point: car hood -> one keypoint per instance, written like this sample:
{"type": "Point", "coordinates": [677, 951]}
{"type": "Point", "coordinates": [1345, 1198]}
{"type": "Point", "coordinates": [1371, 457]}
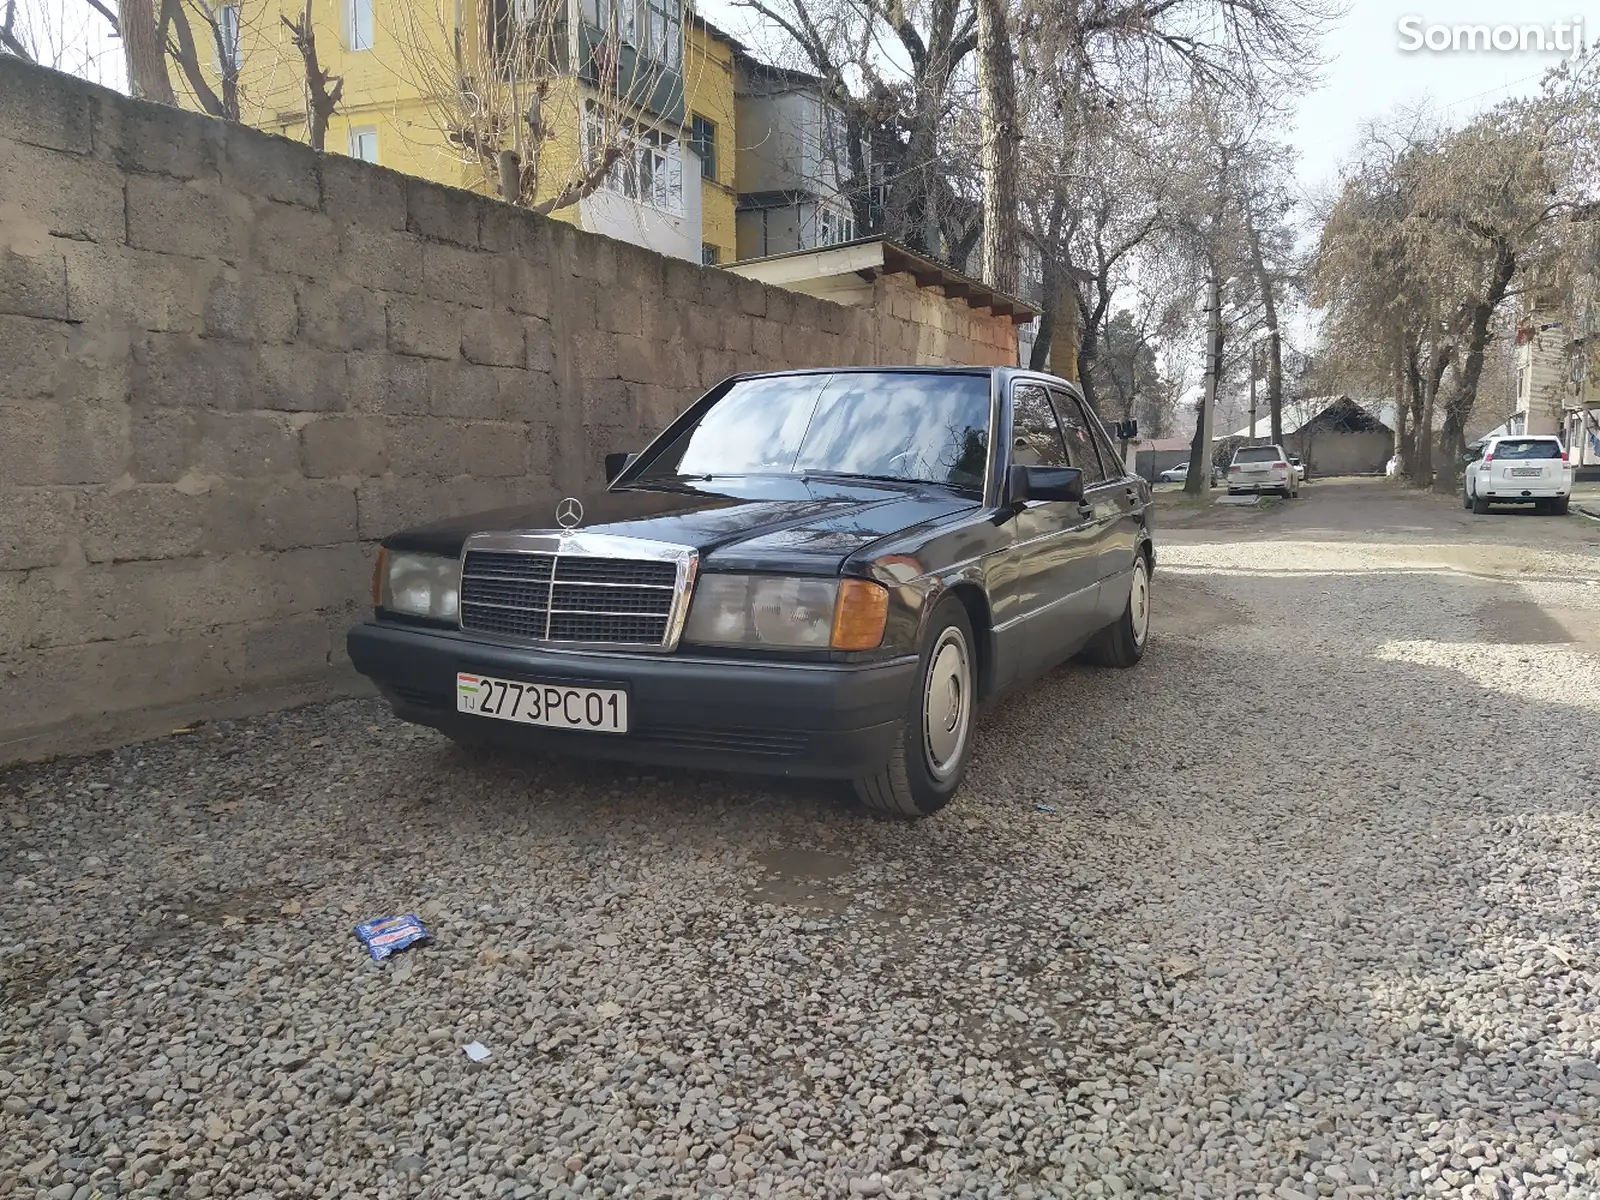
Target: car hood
{"type": "Point", "coordinates": [770, 523]}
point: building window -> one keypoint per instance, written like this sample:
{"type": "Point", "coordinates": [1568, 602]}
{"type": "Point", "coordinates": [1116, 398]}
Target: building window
{"type": "Point", "coordinates": [650, 169]}
{"type": "Point", "coordinates": [833, 226]}
{"type": "Point", "coordinates": [703, 140]}
{"type": "Point", "coordinates": [623, 20]}
{"type": "Point", "coordinates": [358, 24]}
{"type": "Point", "coordinates": [228, 31]}
{"type": "Point", "coordinates": [364, 144]}
{"type": "Point", "coordinates": [709, 255]}
{"type": "Point", "coordinates": [665, 33]}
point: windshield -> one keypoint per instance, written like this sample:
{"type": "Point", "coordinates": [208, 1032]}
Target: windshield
{"type": "Point", "coordinates": [895, 425]}
{"type": "Point", "coordinates": [1257, 454]}
{"type": "Point", "coordinates": [1527, 448]}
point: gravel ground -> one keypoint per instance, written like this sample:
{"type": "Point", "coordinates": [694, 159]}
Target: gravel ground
{"type": "Point", "coordinates": [1303, 906]}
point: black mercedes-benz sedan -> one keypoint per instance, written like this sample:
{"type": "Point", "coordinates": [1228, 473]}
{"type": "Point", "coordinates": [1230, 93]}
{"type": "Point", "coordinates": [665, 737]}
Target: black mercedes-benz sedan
{"type": "Point", "coordinates": [819, 573]}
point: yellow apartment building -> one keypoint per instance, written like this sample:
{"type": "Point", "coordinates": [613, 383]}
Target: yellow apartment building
{"type": "Point", "coordinates": [645, 82]}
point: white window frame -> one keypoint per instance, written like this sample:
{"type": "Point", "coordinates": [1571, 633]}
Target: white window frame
{"type": "Point", "coordinates": [650, 170]}
{"type": "Point", "coordinates": [831, 226]}
{"type": "Point", "coordinates": [357, 133]}
{"type": "Point", "coordinates": [664, 32]}
{"type": "Point", "coordinates": [228, 32]}
{"type": "Point", "coordinates": [358, 25]}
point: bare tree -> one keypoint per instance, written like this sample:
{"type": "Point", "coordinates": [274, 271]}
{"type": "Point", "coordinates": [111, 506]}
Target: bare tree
{"type": "Point", "coordinates": [506, 84]}
{"type": "Point", "coordinates": [323, 91]}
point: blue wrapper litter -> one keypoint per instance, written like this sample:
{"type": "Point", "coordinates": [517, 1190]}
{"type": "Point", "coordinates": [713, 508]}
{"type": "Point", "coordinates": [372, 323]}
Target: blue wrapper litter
{"type": "Point", "coordinates": [385, 935]}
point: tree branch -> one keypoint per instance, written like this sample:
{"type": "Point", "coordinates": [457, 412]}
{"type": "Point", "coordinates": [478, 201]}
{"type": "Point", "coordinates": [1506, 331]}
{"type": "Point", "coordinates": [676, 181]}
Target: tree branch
{"type": "Point", "coordinates": [116, 27]}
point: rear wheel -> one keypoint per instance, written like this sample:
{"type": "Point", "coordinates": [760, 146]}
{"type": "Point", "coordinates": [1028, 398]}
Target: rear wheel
{"type": "Point", "coordinates": [930, 752]}
{"type": "Point", "coordinates": [1121, 644]}
{"type": "Point", "coordinates": [1560, 506]}
{"type": "Point", "coordinates": [1479, 504]}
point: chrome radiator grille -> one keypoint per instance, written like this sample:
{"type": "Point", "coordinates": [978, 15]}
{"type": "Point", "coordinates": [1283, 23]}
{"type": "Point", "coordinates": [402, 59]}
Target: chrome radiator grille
{"type": "Point", "coordinates": [554, 597]}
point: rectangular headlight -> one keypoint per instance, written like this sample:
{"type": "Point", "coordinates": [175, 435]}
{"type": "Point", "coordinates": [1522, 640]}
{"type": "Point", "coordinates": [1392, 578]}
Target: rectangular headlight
{"type": "Point", "coordinates": [762, 610]}
{"type": "Point", "coordinates": [422, 585]}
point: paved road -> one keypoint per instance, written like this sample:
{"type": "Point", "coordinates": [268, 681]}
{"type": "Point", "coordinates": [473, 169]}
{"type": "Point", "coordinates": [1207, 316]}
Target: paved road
{"type": "Point", "coordinates": [1303, 906]}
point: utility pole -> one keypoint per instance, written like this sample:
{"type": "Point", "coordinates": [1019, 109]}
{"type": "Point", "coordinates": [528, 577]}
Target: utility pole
{"type": "Point", "coordinates": [1253, 393]}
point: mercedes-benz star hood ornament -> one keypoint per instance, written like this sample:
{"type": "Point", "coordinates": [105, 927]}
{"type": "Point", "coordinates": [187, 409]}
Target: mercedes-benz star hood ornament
{"type": "Point", "coordinates": [569, 512]}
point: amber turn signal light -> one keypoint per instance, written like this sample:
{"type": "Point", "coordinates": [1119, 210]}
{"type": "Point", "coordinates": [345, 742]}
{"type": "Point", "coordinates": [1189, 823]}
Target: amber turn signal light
{"type": "Point", "coordinates": [377, 577]}
{"type": "Point", "coordinates": [860, 615]}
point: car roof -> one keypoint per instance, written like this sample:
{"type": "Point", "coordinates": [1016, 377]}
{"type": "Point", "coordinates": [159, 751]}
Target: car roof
{"type": "Point", "coordinates": [1003, 373]}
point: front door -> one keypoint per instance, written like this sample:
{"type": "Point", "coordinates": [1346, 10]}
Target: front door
{"type": "Point", "coordinates": [1046, 599]}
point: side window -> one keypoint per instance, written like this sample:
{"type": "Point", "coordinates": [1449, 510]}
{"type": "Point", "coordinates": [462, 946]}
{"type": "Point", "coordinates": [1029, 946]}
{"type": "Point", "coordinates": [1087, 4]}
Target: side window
{"type": "Point", "coordinates": [1109, 458]}
{"type": "Point", "coordinates": [1080, 442]}
{"type": "Point", "coordinates": [1036, 438]}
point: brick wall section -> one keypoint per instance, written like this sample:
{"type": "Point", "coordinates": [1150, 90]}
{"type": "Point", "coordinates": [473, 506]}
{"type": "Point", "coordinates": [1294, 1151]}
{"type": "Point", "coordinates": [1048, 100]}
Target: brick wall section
{"type": "Point", "coordinates": [228, 364]}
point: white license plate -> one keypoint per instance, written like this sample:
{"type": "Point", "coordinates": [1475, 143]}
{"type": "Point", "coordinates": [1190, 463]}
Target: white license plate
{"type": "Point", "coordinates": [554, 705]}
{"type": "Point", "coordinates": [1527, 470]}
{"type": "Point", "coordinates": [1255, 466]}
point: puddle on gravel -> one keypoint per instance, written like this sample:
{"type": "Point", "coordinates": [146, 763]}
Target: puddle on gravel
{"type": "Point", "coordinates": [1524, 623]}
{"type": "Point", "coordinates": [800, 877]}
{"type": "Point", "coordinates": [1181, 606]}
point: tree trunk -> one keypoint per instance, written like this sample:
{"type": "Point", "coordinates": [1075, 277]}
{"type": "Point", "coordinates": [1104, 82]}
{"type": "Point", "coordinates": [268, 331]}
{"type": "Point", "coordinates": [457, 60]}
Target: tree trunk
{"type": "Point", "coordinates": [997, 90]}
{"type": "Point", "coordinates": [1459, 408]}
{"type": "Point", "coordinates": [510, 168]}
{"type": "Point", "coordinates": [1430, 392]}
{"type": "Point", "coordinates": [1199, 480]}
{"type": "Point", "coordinates": [142, 49]}
{"type": "Point", "coordinates": [1068, 329]}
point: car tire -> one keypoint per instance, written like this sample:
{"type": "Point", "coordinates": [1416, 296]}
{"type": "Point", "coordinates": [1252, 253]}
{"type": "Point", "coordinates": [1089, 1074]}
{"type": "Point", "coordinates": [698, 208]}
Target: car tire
{"type": "Point", "coordinates": [1121, 644]}
{"type": "Point", "coordinates": [1561, 506]}
{"type": "Point", "coordinates": [1286, 492]}
{"type": "Point", "coordinates": [930, 753]}
{"type": "Point", "coordinates": [1479, 504]}
{"type": "Point", "coordinates": [1541, 508]}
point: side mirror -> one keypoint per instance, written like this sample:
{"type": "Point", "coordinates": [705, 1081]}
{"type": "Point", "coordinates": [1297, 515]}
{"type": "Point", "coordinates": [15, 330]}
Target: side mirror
{"type": "Point", "coordinates": [617, 463]}
{"type": "Point", "coordinates": [1127, 431]}
{"type": "Point", "coordinates": [1046, 483]}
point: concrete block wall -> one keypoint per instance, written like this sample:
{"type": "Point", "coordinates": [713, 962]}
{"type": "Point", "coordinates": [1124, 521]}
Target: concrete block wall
{"type": "Point", "coordinates": [229, 364]}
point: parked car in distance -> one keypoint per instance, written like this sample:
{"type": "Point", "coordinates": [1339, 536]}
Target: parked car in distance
{"type": "Point", "coordinates": [1300, 468]}
{"type": "Point", "coordinates": [1392, 467]}
{"type": "Point", "coordinates": [1262, 469]}
{"type": "Point", "coordinates": [1177, 474]}
{"type": "Point", "coordinates": [1520, 469]}
{"type": "Point", "coordinates": [815, 573]}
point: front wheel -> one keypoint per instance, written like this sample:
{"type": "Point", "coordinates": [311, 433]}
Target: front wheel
{"type": "Point", "coordinates": [1121, 644]}
{"type": "Point", "coordinates": [930, 752]}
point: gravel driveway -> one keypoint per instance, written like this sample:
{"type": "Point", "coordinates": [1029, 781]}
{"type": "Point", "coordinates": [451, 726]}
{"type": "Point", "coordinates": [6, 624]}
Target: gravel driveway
{"type": "Point", "coordinates": [1306, 905]}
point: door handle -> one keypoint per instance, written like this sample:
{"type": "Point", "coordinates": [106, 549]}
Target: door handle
{"type": "Point", "coordinates": [1132, 493]}
{"type": "Point", "coordinates": [1085, 509]}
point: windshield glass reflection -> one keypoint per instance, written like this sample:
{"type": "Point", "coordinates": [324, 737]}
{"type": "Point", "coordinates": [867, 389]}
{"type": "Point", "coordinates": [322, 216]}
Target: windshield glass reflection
{"type": "Point", "coordinates": [922, 427]}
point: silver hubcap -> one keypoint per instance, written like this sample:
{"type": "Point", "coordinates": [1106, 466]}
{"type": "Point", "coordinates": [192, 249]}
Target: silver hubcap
{"type": "Point", "coordinates": [1139, 603]}
{"type": "Point", "coordinates": [947, 704]}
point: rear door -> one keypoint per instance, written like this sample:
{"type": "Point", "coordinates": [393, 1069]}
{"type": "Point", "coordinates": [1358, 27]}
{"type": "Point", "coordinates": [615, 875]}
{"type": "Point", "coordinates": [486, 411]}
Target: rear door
{"type": "Point", "coordinates": [1525, 463]}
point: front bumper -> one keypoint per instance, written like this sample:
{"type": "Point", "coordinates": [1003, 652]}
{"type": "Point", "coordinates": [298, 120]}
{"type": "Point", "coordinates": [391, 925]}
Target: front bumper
{"type": "Point", "coordinates": [818, 720]}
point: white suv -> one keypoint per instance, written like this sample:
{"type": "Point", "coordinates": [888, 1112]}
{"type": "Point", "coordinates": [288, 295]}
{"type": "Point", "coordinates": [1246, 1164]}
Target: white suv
{"type": "Point", "coordinates": [1525, 469]}
{"type": "Point", "coordinates": [1263, 469]}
